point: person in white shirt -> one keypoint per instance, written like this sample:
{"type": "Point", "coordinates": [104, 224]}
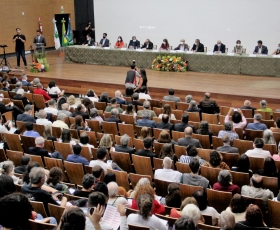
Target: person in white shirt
{"type": "Point", "coordinates": [168, 174]}
{"type": "Point", "coordinates": [143, 95]}
{"type": "Point", "coordinates": [42, 118]}
{"type": "Point", "coordinates": [101, 157]}
{"type": "Point", "coordinates": [54, 90]}
{"type": "Point", "coordinates": [258, 151]}
{"type": "Point", "coordinates": [114, 199]}
{"type": "Point", "coordinates": [92, 95]}
{"type": "Point", "coordinates": [52, 107]}
{"type": "Point", "coordinates": [60, 122]}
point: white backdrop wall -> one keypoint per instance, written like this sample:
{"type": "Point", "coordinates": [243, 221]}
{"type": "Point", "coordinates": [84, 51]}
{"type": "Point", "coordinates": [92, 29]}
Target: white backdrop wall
{"type": "Point", "coordinates": [208, 20]}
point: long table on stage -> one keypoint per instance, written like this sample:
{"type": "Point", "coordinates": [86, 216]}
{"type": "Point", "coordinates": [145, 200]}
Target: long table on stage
{"type": "Point", "coordinates": [200, 62]}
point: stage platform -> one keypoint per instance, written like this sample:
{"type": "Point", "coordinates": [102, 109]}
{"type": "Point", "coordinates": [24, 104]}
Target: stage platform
{"type": "Point", "coordinates": [228, 90]}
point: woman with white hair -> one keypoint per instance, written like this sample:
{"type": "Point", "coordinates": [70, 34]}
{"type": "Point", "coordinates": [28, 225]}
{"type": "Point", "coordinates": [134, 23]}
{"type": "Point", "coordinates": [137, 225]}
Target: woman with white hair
{"type": "Point", "coordinates": [268, 137]}
{"type": "Point", "coordinates": [226, 221]}
{"type": "Point", "coordinates": [264, 108]}
{"type": "Point", "coordinates": [114, 199]}
{"type": "Point", "coordinates": [225, 183]}
{"type": "Point", "coordinates": [192, 211]}
{"type": "Point", "coordinates": [142, 181]}
{"type": "Point", "coordinates": [8, 169]}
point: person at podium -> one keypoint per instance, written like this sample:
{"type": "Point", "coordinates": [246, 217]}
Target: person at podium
{"type": "Point", "coordinates": [148, 45]}
{"type": "Point", "coordinates": [197, 46]}
{"type": "Point", "coordinates": [119, 43]}
{"type": "Point", "coordinates": [134, 43]}
{"type": "Point", "coordinates": [39, 38]}
{"type": "Point", "coordinates": [89, 41]}
{"type": "Point", "coordinates": [182, 46]}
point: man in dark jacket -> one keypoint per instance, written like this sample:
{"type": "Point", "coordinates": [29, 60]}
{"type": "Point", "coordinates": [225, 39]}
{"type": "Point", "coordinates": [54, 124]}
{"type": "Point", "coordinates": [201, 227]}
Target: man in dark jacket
{"type": "Point", "coordinates": [27, 115]}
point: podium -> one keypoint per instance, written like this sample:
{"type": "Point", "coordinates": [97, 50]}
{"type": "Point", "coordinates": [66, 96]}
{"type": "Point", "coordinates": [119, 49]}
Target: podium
{"type": "Point", "coordinates": [38, 47]}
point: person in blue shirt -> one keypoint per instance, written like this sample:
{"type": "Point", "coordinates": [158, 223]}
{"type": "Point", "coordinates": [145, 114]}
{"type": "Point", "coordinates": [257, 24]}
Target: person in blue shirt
{"type": "Point", "coordinates": [76, 157]}
{"type": "Point", "coordinates": [257, 125]}
{"type": "Point", "coordinates": [29, 130]}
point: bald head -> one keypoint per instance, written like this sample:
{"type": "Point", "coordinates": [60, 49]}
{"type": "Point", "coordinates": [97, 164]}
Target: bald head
{"type": "Point", "coordinates": [207, 95]}
{"type": "Point", "coordinates": [257, 181]}
{"type": "Point", "coordinates": [247, 103]}
{"type": "Point", "coordinates": [188, 132]}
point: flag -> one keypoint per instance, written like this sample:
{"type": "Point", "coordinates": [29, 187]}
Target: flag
{"type": "Point", "coordinates": [56, 36]}
{"type": "Point", "coordinates": [64, 41]}
{"type": "Point", "coordinates": [40, 25]}
{"type": "Point", "coordinates": [69, 35]}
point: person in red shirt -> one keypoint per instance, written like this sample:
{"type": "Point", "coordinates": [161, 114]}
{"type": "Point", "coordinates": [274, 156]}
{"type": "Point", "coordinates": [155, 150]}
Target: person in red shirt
{"type": "Point", "coordinates": [41, 91]}
{"type": "Point", "coordinates": [225, 183]}
{"type": "Point", "coordinates": [119, 43]}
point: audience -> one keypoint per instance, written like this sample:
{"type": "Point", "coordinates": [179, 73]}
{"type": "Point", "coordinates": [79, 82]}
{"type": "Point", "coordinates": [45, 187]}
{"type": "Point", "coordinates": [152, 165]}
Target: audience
{"type": "Point", "coordinates": [229, 131]}
{"type": "Point", "coordinates": [51, 107]}
{"type": "Point", "coordinates": [66, 137]}
{"type": "Point", "coordinates": [124, 148]}
{"type": "Point", "coordinates": [114, 117]}
{"type": "Point", "coordinates": [216, 161]}
{"type": "Point", "coordinates": [258, 151]}
{"type": "Point", "coordinates": [8, 169]}
{"type": "Point", "coordinates": [225, 183]}
{"type": "Point", "coordinates": [114, 199]}
{"type": "Point", "coordinates": [205, 130]}
{"type": "Point", "coordinates": [226, 148]}
{"type": "Point", "coordinates": [175, 213]}
{"type": "Point", "coordinates": [193, 107]}
{"type": "Point", "coordinates": [173, 197]}
{"type": "Point", "coordinates": [71, 101]}
{"type": "Point", "coordinates": [54, 90]}
{"type": "Point", "coordinates": [165, 123]}
{"type": "Point", "coordinates": [227, 221]}
{"type": "Point", "coordinates": [237, 207]}
{"type": "Point", "coordinates": [146, 152]}
{"type": "Point", "coordinates": [111, 177]}
{"type": "Point", "coordinates": [146, 120]}
{"type": "Point", "coordinates": [29, 130]}
{"type": "Point", "coordinates": [20, 96]}
{"type": "Point", "coordinates": [257, 125]}
{"type": "Point", "coordinates": [101, 158]}
{"type": "Point", "coordinates": [180, 127]}
{"type": "Point", "coordinates": [188, 140]}
{"type": "Point", "coordinates": [269, 169]}
{"type": "Point", "coordinates": [191, 154]}
{"type": "Point", "coordinates": [114, 105]}
{"type": "Point", "coordinates": [171, 97]}
{"type": "Point", "coordinates": [47, 134]}
{"type": "Point", "coordinates": [27, 115]}
{"type": "Point", "coordinates": [42, 118]}
{"type": "Point", "coordinates": [24, 163]}
{"type": "Point", "coordinates": [73, 218]}
{"type": "Point", "coordinates": [184, 223]}
{"type": "Point", "coordinates": [81, 111]}
{"type": "Point", "coordinates": [143, 93]}
{"type": "Point", "coordinates": [135, 101]}
{"type": "Point", "coordinates": [65, 110]}
{"type": "Point", "coordinates": [79, 124]}
{"type": "Point", "coordinates": [238, 119]}
{"type": "Point", "coordinates": [40, 90]}
{"type": "Point", "coordinates": [7, 185]}
{"type": "Point", "coordinates": [167, 151]}
{"type": "Point", "coordinates": [54, 179]}
{"type": "Point", "coordinates": [76, 157]}
{"type": "Point", "coordinates": [188, 98]}
{"type": "Point", "coordinates": [94, 115]}
{"type": "Point", "coordinates": [167, 110]}
{"type": "Point", "coordinates": [146, 106]}
{"type": "Point", "coordinates": [192, 211]}
{"type": "Point", "coordinates": [167, 174]}
{"type": "Point", "coordinates": [60, 122]}
{"type": "Point", "coordinates": [87, 186]}
{"type": "Point", "coordinates": [264, 107]}
{"type": "Point", "coordinates": [243, 165]}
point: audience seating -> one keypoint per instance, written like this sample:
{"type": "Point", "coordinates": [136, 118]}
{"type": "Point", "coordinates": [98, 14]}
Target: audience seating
{"type": "Point", "coordinates": [35, 225]}
{"type": "Point", "coordinates": [21, 126]}
{"type": "Point", "coordinates": [211, 118]}
{"type": "Point", "coordinates": [188, 190]}
{"type": "Point", "coordinates": [193, 116]}
{"type": "Point", "coordinates": [158, 146]}
{"type": "Point", "coordinates": [158, 111]}
{"type": "Point", "coordinates": [256, 201]}
{"type": "Point", "coordinates": [38, 159]}
{"type": "Point", "coordinates": [3, 156]}
{"type": "Point", "coordinates": [230, 158]}
{"type": "Point", "coordinates": [204, 140]}
{"type": "Point", "coordinates": [180, 150]}
{"type": "Point", "coordinates": [240, 179]}
{"type": "Point", "coordinates": [135, 227]}
{"type": "Point", "coordinates": [224, 110]}
{"type": "Point", "coordinates": [171, 221]}
{"type": "Point", "coordinates": [210, 173]}
{"type": "Point", "coordinates": [39, 101]}
{"type": "Point", "coordinates": [75, 172]}
{"type": "Point", "coordinates": [56, 132]}
{"type": "Point", "coordinates": [39, 128]}
{"type": "Point", "coordinates": [207, 227]}
{"type": "Point", "coordinates": [128, 119]}
{"type": "Point", "coordinates": [178, 114]}
{"type": "Point", "coordinates": [86, 153]}
{"type": "Point", "coordinates": [15, 156]}
{"type": "Point", "coordinates": [138, 143]}
{"type": "Point", "coordinates": [122, 160]}
{"type": "Point", "coordinates": [13, 142]}
{"type": "Point", "coordinates": [204, 153]}
{"type": "Point", "coordinates": [218, 199]}
{"type": "Point", "coordinates": [271, 183]}
{"type": "Point", "coordinates": [182, 106]}
{"type": "Point", "coordinates": [27, 142]}
{"type": "Point", "coordinates": [183, 167]}
{"type": "Point", "coordinates": [265, 115]}
{"type": "Point", "coordinates": [248, 113]}
{"type": "Point", "coordinates": [242, 145]}
{"type": "Point", "coordinates": [110, 128]}
{"type": "Point", "coordinates": [64, 149]}
{"type": "Point", "coordinates": [154, 103]}
{"type": "Point", "coordinates": [52, 162]}
{"type": "Point", "coordinates": [252, 134]}
{"type": "Point", "coordinates": [49, 146]}
{"type": "Point", "coordinates": [272, 148]}
{"type": "Point", "coordinates": [142, 165]}
{"type": "Point", "coordinates": [122, 178]}
{"type": "Point", "coordinates": [216, 128]}
{"type": "Point", "coordinates": [161, 187]}
{"type": "Point", "coordinates": [256, 163]}
{"type": "Point", "coordinates": [8, 116]}
{"type": "Point", "coordinates": [134, 178]}
{"type": "Point", "coordinates": [176, 135]}
{"type": "Point", "coordinates": [39, 208]}
{"type": "Point", "coordinates": [217, 142]}
{"type": "Point", "coordinates": [171, 103]}
{"type": "Point", "coordinates": [274, 211]}
{"type": "Point", "coordinates": [118, 141]}
{"type": "Point", "coordinates": [126, 129]}
{"type": "Point", "coordinates": [56, 211]}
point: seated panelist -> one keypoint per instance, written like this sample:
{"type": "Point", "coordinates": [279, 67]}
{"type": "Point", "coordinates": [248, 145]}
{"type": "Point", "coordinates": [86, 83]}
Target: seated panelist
{"type": "Point", "coordinates": [260, 49]}
{"type": "Point", "coordinates": [164, 45]}
{"type": "Point", "coordinates": [134, 43]}
{"type": "Point", "coordinates": [119, 43]}
{"type": "Point", "coordinates": [197, 46]}
{"type": "Point", "coordinates": [277, 51]}
{"type": "Point", "coordinates": [182, 46]}
{"type": "Point", "coordinates": [219, 48]}
{"type": "Point", "coordinates": [89, 41]}
{"type": "Point", "coordinates": [148, 45]}
{"type": "Point", "coordinates": [104, 42]}
{"type": "Point", "coordinates": [238, 48]}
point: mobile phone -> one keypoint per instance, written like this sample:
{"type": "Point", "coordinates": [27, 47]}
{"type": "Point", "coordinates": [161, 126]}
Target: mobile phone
{"type": "Point", "coordinates": [235, 109]}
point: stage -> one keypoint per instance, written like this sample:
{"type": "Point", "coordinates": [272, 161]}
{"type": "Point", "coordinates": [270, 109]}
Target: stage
{"type": "Point", "coordinates": [228, 90]}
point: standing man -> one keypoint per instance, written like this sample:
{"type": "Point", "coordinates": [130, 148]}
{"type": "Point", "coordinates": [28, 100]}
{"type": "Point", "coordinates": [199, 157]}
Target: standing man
{"type": "Point", "coordinates": [104, 42]}
{"type": "Point", "coordinates": [20, 39]}
{"type": "Point", "coordinates": [39, 38]}
{"type": "Point", "coordinates": [89, 29]}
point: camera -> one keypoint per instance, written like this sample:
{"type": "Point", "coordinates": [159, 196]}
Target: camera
{"type": "Point", "coordinates": [133, 62]}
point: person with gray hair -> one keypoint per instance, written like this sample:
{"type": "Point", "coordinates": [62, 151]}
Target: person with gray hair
{"type": "Point", "coordinates": [268, 137]}
{"type": "Point", "coordinates": [225, 183]}
{"type": "Point", "coordinates": [257, 125]}
{"type": "Point", "coordinates": [52, 107]}
{"type": "Point", "coordinates": [226, 221]}
{"type": "Point", "coordinates": [188, 98]}
{"type": "Point", "coordinates": [146, 120]}
{"type": "Point", "coordinates": [36, 81]}
{"type": "Point", "coordinates": [168, 174]}
{"type": "Point", "coordinates": [124, 148]}
{"type": "Point", "coordinates": [114, 116]}
{"type": "Point", "coordinates": [42, 118]}
{"type": "Point", "coordinates": [65, 110]}
{"type": "Point", "coordinates": [197, 46]}
{"type": "Point", "coordinates": [229, 131]}
{"type": "Point", "coordinates": [264, 107]}
{"type": "Point", "coordinates": [146, 106]}
{"type": "Point", "coordinates": [60, 122]}
{"type": "Point", "coordinates": [193, 107]}
{"type": "Point", "coordinates": [226, 148]}
{"type": "Point", "coordinates": [119, 98]}
{"type": "Point", "coordinates": [37, 177]}
{"type": "Point", "coordinates": [18, 86]}
{"type": "Point", "coordinates": [24, 80]}
{"type": "Point", "coordinates": [193, 212]}
{"type": "Point", "coordinates": [114, 199]}
{"type": "Point", "coordinates": [8, 169]}
{"type": "Point", "coordinates": [94, 115]}
{"type": "Point", "coordinates": [20, 96]}
{"type": "Point", "coordinates": [27, 115]}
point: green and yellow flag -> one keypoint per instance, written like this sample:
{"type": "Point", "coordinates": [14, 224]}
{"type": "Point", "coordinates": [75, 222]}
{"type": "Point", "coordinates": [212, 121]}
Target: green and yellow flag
{"type": "Point", "coordinates": [64, 40]}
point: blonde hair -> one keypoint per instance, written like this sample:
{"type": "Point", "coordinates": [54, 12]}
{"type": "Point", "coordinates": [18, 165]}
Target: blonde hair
{"type": "Point", "coordinates": [71, 100]}
{"type": "Point", "coordinates": [106, 141]}
{"type": "Point", "coordinates": [142, 181]}
{"type": "Point", "coordinates": [167, 110]}
{"type": "Point", "coordinates": [188, 200]}
{"type": "Point", "coordinates": [145, 132]}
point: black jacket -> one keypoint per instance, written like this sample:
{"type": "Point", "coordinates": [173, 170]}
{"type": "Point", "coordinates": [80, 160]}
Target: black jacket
{"type": "Point", "coordinates": [199, 49]}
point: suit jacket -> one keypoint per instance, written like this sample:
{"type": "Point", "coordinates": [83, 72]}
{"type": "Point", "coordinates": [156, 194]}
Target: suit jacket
{"type": "Point", "coordinates": [25, 83]}
{"type": "Point", "coordinates": [264, 50]}
{"type": "Point", "coordinates": [25, 118]}
{"type": "Point", "coordinates": [146, 122]}
{"type": "Point", "coordinates": [145, 153]}
{"type": "Point", "coordinates": [161, 125]}
{"type": "Point", "coordinates": [222, 48]}
{"type": "Point", "coordinates": [41, 40]}
{"type": "Point", "coordinates": [227, 149]}
{"type": "Point", "coordinates": [180, 127]}
{"type": "Point", "coordinates": [113, 119]}
{"type": "Point", "coordinates": [186, 47]}
{"type": "Point", "coordinates": [106, 43]}
{"type": "Point", "coordinates": [84, 115]}
{"type": "Point", "coordinates": [171, 98]}
{"type": "Point", "coordinates": [208, 105]}
{"type": "Point", "coordinates": [135, 45]}
{"type": "Point", "coordinates": [22, 98]}
{"type": "Point", "coordinates": [38, 152]}
{"type": "Point", "coordinates": [189, 141]}
{"type": "Point", "coordinates": [89, 43]}
{"type": "Point", "coordinates": [124, 149]}
{"type": "Point", "coordinates": [149, 47]}
{"type": "Point", "coordinates": [199, 49]}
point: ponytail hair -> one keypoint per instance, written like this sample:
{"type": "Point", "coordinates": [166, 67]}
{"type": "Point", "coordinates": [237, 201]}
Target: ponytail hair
{"type": "Point", "coordinates": [145, 204]}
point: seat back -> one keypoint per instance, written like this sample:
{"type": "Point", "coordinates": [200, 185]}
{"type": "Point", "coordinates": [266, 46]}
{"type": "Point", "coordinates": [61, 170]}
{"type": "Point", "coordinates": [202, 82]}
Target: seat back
{"type": "Point", "coordinates": [265, 115]}
{"type": "Point", "coordinates": [210, 173]}
{"type": "Point", "coordinates": [183, 167]}
{"type": "Point", "coordinates": [182, 106]}
{"type": "Point", "coordinates": [203, 139]}
{"type": "Point", "coordinates": [92, 137]}
{"type": "Point", "coordinates": [204, 153]}
{"type": "Point", "coordinates": [15, 156]}
{"type": "Point", "coordinates": [27, 142]}
{"type": "Point", "coordinates": [136, 227]}
{"type": "Point", "coordinates": [176, 135]}
{"type": "Point", "coordinates": [138, 143]}
{"type": "Point", "coordinates": [211, 118]}
{"type": "Point", "coordinates": [216, 128]}
{"type": "Point", "coordinates": [256, 201]}
{"type": "Point", "coordinates": [273, 212]}
{"type": "Point", "coordinates": [19, 104]}
{"type": "Point", "coordinates": [271, 183]}
{"type": "Point", "coordinates": [39, 128]}
{"type": "Point", "coordinates": [240, 179]}
{"type": "Point", "coordinates": [134, 178]}
{"type": "Point", "coordinates": [252, 134]}
{"type": "Point", "coordinates": [63, 148]}
{"type": "Point", "coordinates": [128, 119]}
{"type": "Point", "coordinates": [110, 127]}
{"type": "Point", "coordinates": [161, 187]}
{"type": "Point", "coordinates": [21, 126]}
{"type": "Point", "coordinates": [122, 178]}
{"type": "Point", "coordinates": [75, 172]}
{"type": "Point", "coordinates": [39, 207]}
{"type": "Point", "coordinates": [13, 142]}
{"type": "Point", "coordinates": [39, 101]}
{"type": "Point", "coordinates": [218, 199]}
{"type": "Point", "coordinates": [56, 132]}
{"type": "Point", "coordinates": [86, 153]}
{"type": "Point", "coordinates": [56, 211]}
{"type": "Point", "coordinates": [224, 110]}
{"type": "Point", "coordinates": [122, 160]}
{"type": "Point", "coordinates": [94, 125]}
{"type": "Point", "coordinates": [3, 156]}
{"type": "Point", "coordinates": [100, 105]}
{"type": "Point", "coordinates": [126, 129]}
{"type": "Point", "coordinates": [8, 116]}
{"type": "Point", "coordinates": [171, 103]}
{"type": "Point", "coordinates": [38, 159]}
{"type": "Point", "coordinates": [242, 145]}
{"type": "Point", "coordinates": [49, 146]}
{"type": "Point", "coordinates": [206, 227]}
{"type": "Point", "coordinates": [256, 163]}
{"type": "Point", "coordinates": [248, 113]}
{"type": "Point", "coordinates": [193, 116]}
{"type": "Point", "coordinates": [188, 190]}
{"type": "Point", "coordinates": [230, 158]}
{"type": "Point", "coordinates": [158, 146]}
{"type": "Point", "coordinates": [177, 113]}
{"type": "Point", "coordinates": [37, 225]}
{"type": "Point", "coordinates": [142, 165]}
{"type": "Point", "coordinates": [217, 142]}
{"type": "Point", "coordinates": [53, 162]}
{"type": "Point", "coordinates": [180, 150]}
{"type": "Point", "coordinates": [171, 221]}
{"type": "Point", "coordinates": [272, 148]}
